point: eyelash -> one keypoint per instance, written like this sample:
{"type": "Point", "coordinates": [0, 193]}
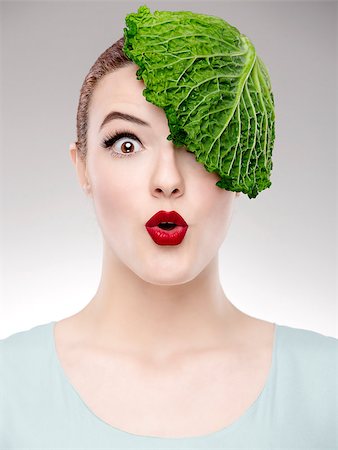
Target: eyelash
{"type": "Point", "coordinates": [110, 140]}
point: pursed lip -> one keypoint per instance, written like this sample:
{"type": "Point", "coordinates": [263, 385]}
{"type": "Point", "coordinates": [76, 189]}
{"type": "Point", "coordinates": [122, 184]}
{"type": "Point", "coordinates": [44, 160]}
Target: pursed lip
{"type": "Point", "coordinates": [164, 216]}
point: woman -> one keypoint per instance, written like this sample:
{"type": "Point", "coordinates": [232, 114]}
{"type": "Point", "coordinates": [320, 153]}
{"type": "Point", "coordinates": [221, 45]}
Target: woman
{"type": "Point", "coordinates": [160, 357]}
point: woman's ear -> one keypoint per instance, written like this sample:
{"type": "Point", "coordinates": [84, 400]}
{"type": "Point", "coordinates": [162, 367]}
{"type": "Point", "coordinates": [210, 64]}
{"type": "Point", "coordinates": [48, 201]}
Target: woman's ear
{"type": "Point", "coordinates": [80, 167]}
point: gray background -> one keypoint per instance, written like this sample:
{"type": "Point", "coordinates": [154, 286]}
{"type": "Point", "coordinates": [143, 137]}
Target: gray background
{"type": "Point", "coordinates": [278, 261]}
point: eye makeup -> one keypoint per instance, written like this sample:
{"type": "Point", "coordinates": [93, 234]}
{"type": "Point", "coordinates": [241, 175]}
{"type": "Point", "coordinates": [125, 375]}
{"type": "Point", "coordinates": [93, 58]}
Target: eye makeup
{"type": "Point", "coordinates": [109, 141]}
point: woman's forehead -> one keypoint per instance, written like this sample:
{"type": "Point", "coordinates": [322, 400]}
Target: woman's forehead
{"type": "Point", "coordinates": [121, 84]}
{"type": "Point", "coordinates": [121, 91]}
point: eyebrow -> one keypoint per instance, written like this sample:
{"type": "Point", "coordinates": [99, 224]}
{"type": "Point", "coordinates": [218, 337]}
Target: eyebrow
{"type": "Point", "coordinates": [119, 115]}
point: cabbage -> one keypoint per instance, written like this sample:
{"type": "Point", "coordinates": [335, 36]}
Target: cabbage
{"type": "Point", "coordinates": [214, 89]}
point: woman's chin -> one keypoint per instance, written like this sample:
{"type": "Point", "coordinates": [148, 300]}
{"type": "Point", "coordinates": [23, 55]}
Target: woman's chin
{"type": "Point", "coordinates": [167, 276]}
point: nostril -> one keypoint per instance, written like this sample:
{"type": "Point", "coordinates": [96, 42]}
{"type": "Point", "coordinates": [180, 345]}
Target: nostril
{"type": "Point", "coordinates": [159, 190]}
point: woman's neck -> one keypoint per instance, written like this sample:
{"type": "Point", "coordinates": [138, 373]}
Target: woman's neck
{"type": "Point", "coordinates": [128, 314]}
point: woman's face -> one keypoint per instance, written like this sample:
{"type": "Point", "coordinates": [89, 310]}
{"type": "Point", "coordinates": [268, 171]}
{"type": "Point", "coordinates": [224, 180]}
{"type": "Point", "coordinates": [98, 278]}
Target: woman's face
{"type": "Point", "coordinates": [155, 175]}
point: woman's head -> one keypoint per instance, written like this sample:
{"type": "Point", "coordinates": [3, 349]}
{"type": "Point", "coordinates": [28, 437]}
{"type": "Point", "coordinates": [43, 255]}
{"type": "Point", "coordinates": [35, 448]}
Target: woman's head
{"type": "Point", "coordinates": [128, 190]}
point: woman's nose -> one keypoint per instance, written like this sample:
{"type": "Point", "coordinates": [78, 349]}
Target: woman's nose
{"type": "Point", "coordinates": [167, 178]}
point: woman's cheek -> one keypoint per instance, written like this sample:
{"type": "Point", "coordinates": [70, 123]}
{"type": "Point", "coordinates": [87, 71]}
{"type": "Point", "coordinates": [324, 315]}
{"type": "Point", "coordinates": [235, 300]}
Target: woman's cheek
{"type": "Point", "coordinates": [108, 200]}
{"type": "Point", "coordinates": [219, 211]}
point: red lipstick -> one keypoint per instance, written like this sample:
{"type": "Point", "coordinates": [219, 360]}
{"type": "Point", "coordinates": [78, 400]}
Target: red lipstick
{"type": "Point", "coordinates": [167, 228]}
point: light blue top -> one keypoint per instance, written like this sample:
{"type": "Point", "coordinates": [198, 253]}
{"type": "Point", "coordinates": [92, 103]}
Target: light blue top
{"type": "Point", "coordinates": [297, 408]}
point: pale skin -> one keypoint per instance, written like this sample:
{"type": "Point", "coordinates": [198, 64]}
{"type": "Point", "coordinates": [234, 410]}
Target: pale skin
{"type": "Point", "coordinates": [159, 350]}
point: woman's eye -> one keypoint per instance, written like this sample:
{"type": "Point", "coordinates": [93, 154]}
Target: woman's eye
{"type": "Point", "coordinates": [123, 144]}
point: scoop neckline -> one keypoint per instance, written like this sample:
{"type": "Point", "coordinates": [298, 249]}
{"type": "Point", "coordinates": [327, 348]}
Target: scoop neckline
{"type": "Point", "coordinates": [233, 425]}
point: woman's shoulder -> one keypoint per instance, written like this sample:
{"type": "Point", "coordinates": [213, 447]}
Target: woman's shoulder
{"type": "Point", "coordinates": [307, 354]}
{"type": "Point", "coordinates": [24, 348]}
{"type": "Point", "coordinates": [299, 339]}
{"type": "Point", "coordinates": [30, 335]}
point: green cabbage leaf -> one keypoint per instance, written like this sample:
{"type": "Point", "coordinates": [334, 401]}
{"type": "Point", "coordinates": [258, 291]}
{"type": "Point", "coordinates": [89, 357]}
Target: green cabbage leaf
{"type": "Point", "coordinates": [214, 89]}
